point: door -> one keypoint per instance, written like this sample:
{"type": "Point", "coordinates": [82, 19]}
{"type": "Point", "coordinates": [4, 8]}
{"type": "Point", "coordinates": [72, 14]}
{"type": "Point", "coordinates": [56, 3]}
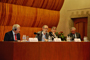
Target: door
{"type": "Point", "coordinates": [81, 26]}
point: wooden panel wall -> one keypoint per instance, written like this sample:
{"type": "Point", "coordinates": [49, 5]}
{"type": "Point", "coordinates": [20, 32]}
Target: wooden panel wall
{"type": "Point", "coordinates": [45, 4]}
{"type": "Point", "coordinates": [27, 16]}
{"type": "Point", "coordinates": [1, 32]}
{"type": "Point", "coordinates": [31, 15]}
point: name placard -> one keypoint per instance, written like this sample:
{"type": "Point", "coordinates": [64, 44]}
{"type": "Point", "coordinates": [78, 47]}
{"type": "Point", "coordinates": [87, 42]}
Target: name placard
{"type": "Point", "coordinates": [33, 40]}
{"type": "Point", "coordinates": [57, 39]}
{"type": "Point", "coordinates": [77, 40]}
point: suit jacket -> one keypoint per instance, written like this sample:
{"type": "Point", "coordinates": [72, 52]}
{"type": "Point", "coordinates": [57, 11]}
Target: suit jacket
{"type": "Point", "coordinates": [9, 36]}
{"type": "Point", "coordinates": [39, 35]}
{"type": "Point", "coordinates": [77, 35]}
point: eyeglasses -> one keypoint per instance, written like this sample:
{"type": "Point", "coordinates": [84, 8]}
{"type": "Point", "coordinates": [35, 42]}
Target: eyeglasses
{"type": "Point", "coordinates": [45, 28]}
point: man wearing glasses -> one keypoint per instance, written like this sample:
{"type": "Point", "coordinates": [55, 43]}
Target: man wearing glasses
{"type": "Point", "coordinates": [43, 35]}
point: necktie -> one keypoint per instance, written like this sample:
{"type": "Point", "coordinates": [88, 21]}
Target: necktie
{"type": "Point", "coordinates": [15, 36]}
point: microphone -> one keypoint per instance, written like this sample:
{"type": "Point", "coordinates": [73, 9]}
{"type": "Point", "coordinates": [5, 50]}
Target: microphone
{"type": "Point", "coordinates": [36, 33]}
{"type": "Point", "coordinates": [50, 33]}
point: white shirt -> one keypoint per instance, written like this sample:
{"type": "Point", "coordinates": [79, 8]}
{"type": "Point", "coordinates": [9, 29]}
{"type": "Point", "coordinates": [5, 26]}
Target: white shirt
{"type": "Point", "coordinates": [14, 35]}
{"type": "Point", "coordinates": [75, 35]}
{"type": "Point", "coordinates": [43, 36]}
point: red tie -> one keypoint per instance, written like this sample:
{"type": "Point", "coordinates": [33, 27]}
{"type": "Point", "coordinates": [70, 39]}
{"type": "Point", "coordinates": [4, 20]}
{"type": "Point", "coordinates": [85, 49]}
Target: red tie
{"type": "Point", "coordinates": [15, 36]}
{"type": "Point", "coordinates": [44, 33]}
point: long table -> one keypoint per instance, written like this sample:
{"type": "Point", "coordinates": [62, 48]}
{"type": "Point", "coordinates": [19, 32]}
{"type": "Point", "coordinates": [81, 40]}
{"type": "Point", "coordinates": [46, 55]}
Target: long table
{"type": "Point", "coordinates": [44, 50]}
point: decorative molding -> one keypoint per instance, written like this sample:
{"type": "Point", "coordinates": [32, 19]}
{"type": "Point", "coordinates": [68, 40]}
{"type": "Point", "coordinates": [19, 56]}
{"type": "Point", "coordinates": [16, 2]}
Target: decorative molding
{"type": "Point", "coordinates": [78, 9]}
{"type": "Point", "coordinates": [75, 14]}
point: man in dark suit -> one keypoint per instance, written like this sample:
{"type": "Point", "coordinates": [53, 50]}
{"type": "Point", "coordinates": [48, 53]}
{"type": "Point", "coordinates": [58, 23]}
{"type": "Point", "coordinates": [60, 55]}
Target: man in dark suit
{"type": "Point", "coordinates": [14, 34]}
{"type": "Point", "coordinates": [74, 34]}
{"type": "Point", "coordinates": [43, 35]}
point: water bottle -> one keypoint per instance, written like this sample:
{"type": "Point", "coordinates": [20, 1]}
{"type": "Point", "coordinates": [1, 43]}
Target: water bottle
{"type": "Point", "coordinates": [24, 38]}
{"type": "Point", "coordinates": [68, 38]}
{"type": "Point", "coordinates": [85, 39]}
{"type": "Point", "coordinates": [49, 39]}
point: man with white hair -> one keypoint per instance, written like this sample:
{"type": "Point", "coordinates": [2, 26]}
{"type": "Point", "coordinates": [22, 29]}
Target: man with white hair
{"type": "Point", "coordinates": [74, 34]}
{"type": "Point", "coordinates": [14, 34]}
{"type": "Point", "coordinates": [43, 35]}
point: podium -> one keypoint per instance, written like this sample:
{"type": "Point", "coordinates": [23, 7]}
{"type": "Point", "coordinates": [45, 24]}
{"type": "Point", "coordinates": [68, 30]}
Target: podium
{"type": "Point", "coordinates": [44, 50]}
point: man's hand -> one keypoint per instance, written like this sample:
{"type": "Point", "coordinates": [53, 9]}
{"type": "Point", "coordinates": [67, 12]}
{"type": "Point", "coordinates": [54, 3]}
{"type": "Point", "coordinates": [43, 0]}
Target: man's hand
{"type": "Point", "coordinates": [45, 39]}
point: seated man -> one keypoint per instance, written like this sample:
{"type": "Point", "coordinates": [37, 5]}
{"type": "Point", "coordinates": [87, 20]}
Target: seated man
{"type": "Point", "coordinates": [53, 33]}
{"type": "Point", "coordinates": [14, 34]}
{"type": "Point", "coordinates": [74, 34]}
{"type": "Point", "coordinates": [43, 35]}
